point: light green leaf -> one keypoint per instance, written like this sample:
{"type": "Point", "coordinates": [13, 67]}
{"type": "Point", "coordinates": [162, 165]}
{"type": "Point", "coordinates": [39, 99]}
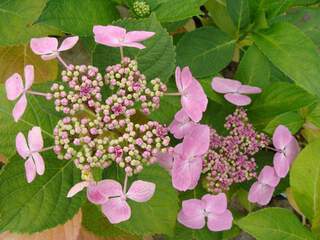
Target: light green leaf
{"type": "Point", "coordinates": [276, 99]}
{"type": "Point", "coordinates": [291, 120]}
{"type": "Point", "coordinates": [275, 224]}
{"type": "Point", "coordinates": [158, 215]}
{"type": "Point", "coordinates": [293, 53]}
{"type": "Point", "coordinates": [305, 180]}
{"type": "Point", "coordinates": [157, 60]}
{"type": "Point", "coordinates": [42, 204]}
{"type": "Point", "coordinates": [16, 21]}
{"type": "Point", "coordinates": [304, 2]}
{"type": "Point", "coordinates": [274, 7]}
{"type": "Point", "coordinates": [239, 12]}
{"type": "Point", "coordinates": [314, 116]}
{"type": "Point", "coordinates": [182, 9]}
{"type": "Point", "coordinates": [254, 68]}
{"type": "Point", "coordinates": [206, 51]}
{"type": "Point", "coordinates": [39, 112]}
{"type": "Point", "coordinates": [78, 17]}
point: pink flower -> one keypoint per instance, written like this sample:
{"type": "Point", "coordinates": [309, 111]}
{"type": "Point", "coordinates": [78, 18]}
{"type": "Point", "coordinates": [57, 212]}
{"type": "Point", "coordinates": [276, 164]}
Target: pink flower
{"type": "Point", "coordinates": [165, 160]}
{"type": "Point", "coordinates": [234, 90]}
{"type": "Point", "coordinates": [213, 207]}
{"type": "Point", "coordinates": [114, 36]}
{"type": "Point", "coordinates": [181, 125]}
{"type": "Point", "coordinates": [29, 151]}
{"type": "Point", "coordinates": [113, 199]}
{"type": "Point", "coordinates": [15, 89]}
{"type": "Point", "coordinates": [188, 157]}
{"type": "Point", "coordinates": [47, 47]}
{"type": "Point", "coordinates": [261, 191]}
{"type": "Point", "coordinates": [287, 149]}
{"type": "Point", "coordinates": [193, 99]}
{"type": "Point", "coordinates": [78, 187]}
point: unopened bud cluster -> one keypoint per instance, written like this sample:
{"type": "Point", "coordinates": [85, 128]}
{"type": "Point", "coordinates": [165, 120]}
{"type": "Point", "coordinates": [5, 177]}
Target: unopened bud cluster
{"type": "Point", "coordinates": [96, 132]}
{"type": "Point", "coordinates": [141, 8]}
{"type": "Point", "coordinates": [230, 158]}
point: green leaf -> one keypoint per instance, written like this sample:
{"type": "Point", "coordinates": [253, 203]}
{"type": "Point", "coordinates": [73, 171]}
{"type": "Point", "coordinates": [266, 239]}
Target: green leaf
{"type": "Point", "coordinates": [239, 12]}
{"type": "Point", "coordinates": [254, 68]}
{"type": "Point", "coordinates": [183, 233]}
{"type": "Point", "coordinates": [42, 204]}
{"type": "Point", "coordinates": [275, 224]}
{"type": "Point", "coordinates": [293, 53]}
{"type": "Point", "coordinates": [78, 17]}
{"type": "Point", "coordinates": [158, 215]}
{"type": "Point", "coordinates": [305, 180]}
{"type": "Point", "coordinates": [16, 21]}
{"type": "Point", "coordinates": [304, 2]}
{"type": "Point", "coordinates": [206, 51]}
{"type": "Point", "coordinates": [220, 16]}
{"type": "Point", "coordinates": [156, 61]}
{"type": "Point", "coordinates": [182, 9]}
{"type": "Point", "coordinates": [291, 120]}
{"type": "Point", "coordinates": [277, 99]}
{"type": "Point", "coordinates": [39, 112]}
{"type": "Point", "coordinates": [314, 116]}
{"type": "Point", "coordinates": [275, 7]}
{"type": "Point", "coordinates": [94, 221]}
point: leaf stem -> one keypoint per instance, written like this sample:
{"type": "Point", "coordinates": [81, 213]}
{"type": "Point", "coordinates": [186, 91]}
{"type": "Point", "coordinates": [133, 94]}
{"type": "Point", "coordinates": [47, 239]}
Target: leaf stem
{"type": "Point", "coordinates": [62, 61]}
{"type": "Point", "coordinates": [173, 94]}
{"type": "Point", "coordinates": [121, 53]}
{"type": "Point", "coordinates": [125, 184]}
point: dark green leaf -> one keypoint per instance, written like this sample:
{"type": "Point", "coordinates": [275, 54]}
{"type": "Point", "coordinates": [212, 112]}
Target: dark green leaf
{"type": "Point", "coordinates": [205, 50]}
{"type": "Point", "coordinates": [239, 12]}
{"type": "Point", "coordinates": [291, 120]}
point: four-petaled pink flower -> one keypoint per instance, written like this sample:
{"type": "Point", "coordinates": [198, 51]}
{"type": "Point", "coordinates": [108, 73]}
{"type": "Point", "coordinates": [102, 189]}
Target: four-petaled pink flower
{"type": "Point", "coordinates": [29, 151]}
{"type": "Point", "coordinates": [261, 191]}
{"type": "Point", "coordinates": [47, 47]}
{"type": "Point", "coordinates": [213, 207]}
{"type": "Point", "coordinates": [113, 199]}
{"type": "Point", "coordinates": [193, 99]}
{"type": "Point", "coordinates": [234, 90]}
{"type": "Point", "coordinates": [181, 125]}
{"type": "Point", "coordinates": [114, 36]}
{"type": "Point", "coordinates": [15, 89]}
{"type": "Point", "coordinates": [188, 158]}
{"type": "Point", "coordinates": [287, 149]}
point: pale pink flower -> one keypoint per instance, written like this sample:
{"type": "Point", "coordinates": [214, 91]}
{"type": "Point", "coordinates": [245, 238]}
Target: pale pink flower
{"type": "Point", "coordinates": [114, 36]}
{"type": "Point", "coordinates": [16, 89]}
{"type": "Point", "coordinates": [113, 199]}
{"type": "Point", "coordinates": [47, 47]}
{"type": "Point", "coordinates": [165, 160]}
{"type": "Point", "coordinates": [29, 151]}
{"type": "Point", "coordinates": [193, 98]}
{"type": "Point", "coordinates": [287, 149]}
{"type": "Point", "coordinates": [181, 125]}
{"type": "Point", "coordinates": [213, 207]}
{"type": "Point", "coordinates": [188, 158]}
{"type": "Point", "coordinates": [234, 91]}
{"type": "Point", "coordinates": [262, 190]}
{"type": "Point", "coordinates": [78, 187]}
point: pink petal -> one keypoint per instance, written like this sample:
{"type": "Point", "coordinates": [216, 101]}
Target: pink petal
{"type": "Point", "coordinates": [77, 188]}
{"type": "Point", "coordinates": [216, 204]}
{"type": "Point", "coordinates": [178, 79]}
{"type": "Point", "coordinates": [184, 80]}
{"type": "Point", "coordinates": [268, 176]}
{"type": "Point", "coordinates": [220, 222]}
{"type": "Point", "coordinates": [165, 160]}
{"type": "Point", "coordinates": [246, 89]}
{"type": "Point", "coordinates": [292, 150]}
{"type": "Point", "coordinates": [281, 164]}
{"type": "Point", "coordinates": [44, 45]}
{"type": "Point", "coordinates": [116, 210]}
{"type": "Point", "coordinates": [196, 169]}
{"type": "Point", "coordinates": [197, 142]}
{"type": "Point", "coordinates": [48, 57]}
{"type": "Point", "coordinates": [110, 188]}
{"type": "Point", "coordinates": [181, 116]}
{"type": "Point", "coordinates": [138, 36]}
{"type": "Point", "coordinates": [109, 35]}
{"type": "Point", "coordinates": [30, 170]}
{"type": "Point", "coordinates": [28, 76]}
{"type": "Point", "coordinates": [192, 214]}
{"type": "Point", "coordinates": [21, 146]}
{"type": "Point", "coordinates": [237, 99]}
{"type": "Point", "coordinates": [141, 191]}
{"type": "Point", "coordinates": [68, 43]}
{"type": "Point", "coordinates": [94, 194]}
{"type": "Point", "coordinates": [35, 139]}
{"type": "Point", "coordinates": [14, 86]}
{"type": "Point", "coordinates": [192, 108]}
{"type": "Point", "coordinates": [181, 129]}
{"type": "Point", "coordinates": [134, 45]}
{"type": "Point", "coordinates": [260, 193]}
{"type": "Point", "coordinates": [224, 85]}
{"type": "Point", "coordinates": [39, 163]}
{"type": "Point", "coordinates": [281, 137]}
{"type": "Point", "coordinates": [19, 108]}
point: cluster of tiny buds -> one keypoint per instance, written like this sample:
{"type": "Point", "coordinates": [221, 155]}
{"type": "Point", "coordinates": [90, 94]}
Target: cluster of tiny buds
{"type": "Point", "coordinates": [230, 158]}
{"type": "Point", "coordinates": [81, 88]}
{"type": "Point", "coordinates": [141, 8]}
